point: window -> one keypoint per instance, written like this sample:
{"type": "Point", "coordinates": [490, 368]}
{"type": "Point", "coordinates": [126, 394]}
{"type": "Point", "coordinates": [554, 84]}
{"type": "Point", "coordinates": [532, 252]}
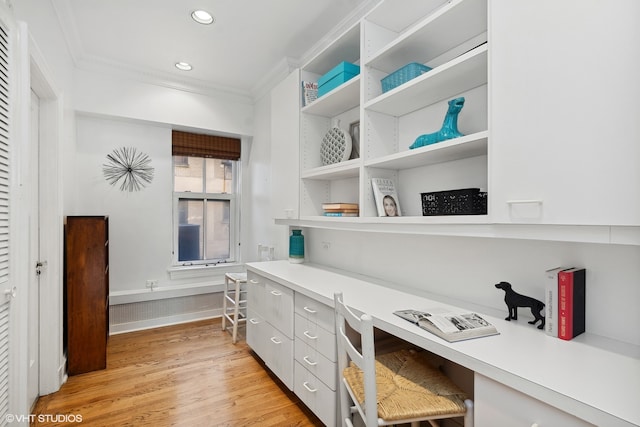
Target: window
{"type": "Point", "coordinates": [206, 212]}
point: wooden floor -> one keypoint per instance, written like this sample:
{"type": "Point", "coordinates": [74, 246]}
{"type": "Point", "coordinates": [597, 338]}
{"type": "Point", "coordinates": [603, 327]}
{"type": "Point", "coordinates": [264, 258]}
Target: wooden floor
{"type": "Point", "coordinates": [185, 375]}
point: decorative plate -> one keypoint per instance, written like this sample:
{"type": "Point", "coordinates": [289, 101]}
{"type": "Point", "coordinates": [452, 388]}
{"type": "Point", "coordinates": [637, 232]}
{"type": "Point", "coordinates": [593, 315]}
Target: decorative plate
{"type": "Point", "coordinates": [335, 147]}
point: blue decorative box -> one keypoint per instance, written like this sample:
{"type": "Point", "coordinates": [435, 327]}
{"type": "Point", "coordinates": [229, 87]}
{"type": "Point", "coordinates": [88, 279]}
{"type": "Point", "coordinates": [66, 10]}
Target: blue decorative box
{"type": "Point", "coordinates": [338, 75]}
{"type": "Point", "coordinates": [403, 75]}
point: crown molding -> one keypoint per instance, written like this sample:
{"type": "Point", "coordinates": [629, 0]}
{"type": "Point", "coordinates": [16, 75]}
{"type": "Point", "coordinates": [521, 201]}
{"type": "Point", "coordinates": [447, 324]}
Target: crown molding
{"type": "Point", "coordinates": [82, 61]}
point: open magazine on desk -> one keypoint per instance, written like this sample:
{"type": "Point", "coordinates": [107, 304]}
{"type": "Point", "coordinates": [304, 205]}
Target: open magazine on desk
{"type": "Point", "coordinates": [449, 325]}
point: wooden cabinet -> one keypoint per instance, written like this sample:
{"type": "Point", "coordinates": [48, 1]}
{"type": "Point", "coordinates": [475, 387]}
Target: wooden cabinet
{"type": "Point", "coordinates": [86, 292]}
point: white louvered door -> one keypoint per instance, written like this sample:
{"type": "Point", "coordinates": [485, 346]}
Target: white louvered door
{"type": "Point", "coordinates": [7, 288]}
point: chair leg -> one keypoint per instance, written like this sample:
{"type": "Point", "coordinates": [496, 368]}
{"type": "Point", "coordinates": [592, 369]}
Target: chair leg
{"type": "Point", "coordinates": [468, 416]}
{"type": "Point", "coordinates": [224, 304]}
{"type": "Point", "coordinates": [236, 312]}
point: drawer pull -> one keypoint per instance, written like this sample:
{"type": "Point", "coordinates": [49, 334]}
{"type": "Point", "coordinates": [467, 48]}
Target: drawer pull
{"type": "Point", "coordinates": [308, 335]}
{"type": "Point", "coordinates": [309, 362]}
{"type": "Point", "coordinates": [254, 321]}
{"type": "Point", "coordinates": [275, 340]}
{"type": "Point", "coordinates": [276, 293]}
{"type": "Point", "coordinates": [255, 282]}
{"type": "Point", "coordinates": [306, 385]}
{"type": "Point", "coordinates": [309, 310]}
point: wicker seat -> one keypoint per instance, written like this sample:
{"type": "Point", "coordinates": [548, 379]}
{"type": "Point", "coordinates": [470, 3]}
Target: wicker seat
{"type": "Point", "coordinates": [407, 388]}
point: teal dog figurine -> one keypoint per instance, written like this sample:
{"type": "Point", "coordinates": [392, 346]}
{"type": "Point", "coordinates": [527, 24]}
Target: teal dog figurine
{"type": "Point", "coordinates": [449, 128]}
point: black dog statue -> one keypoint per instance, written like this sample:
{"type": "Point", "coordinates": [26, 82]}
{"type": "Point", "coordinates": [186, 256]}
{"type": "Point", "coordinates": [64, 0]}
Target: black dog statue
{"type": "Point", "coordinates": [515, 300]}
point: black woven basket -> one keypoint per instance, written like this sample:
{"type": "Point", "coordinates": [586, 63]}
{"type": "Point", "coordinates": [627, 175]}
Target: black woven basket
{"type": "Point", "coordinates": [466, 201]}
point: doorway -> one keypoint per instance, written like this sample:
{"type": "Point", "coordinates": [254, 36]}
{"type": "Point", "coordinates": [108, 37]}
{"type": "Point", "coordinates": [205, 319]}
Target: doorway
{"type": "Point", "coordinates": [47, 371]}
{"type": "Point", "coordinates": [33, 346]}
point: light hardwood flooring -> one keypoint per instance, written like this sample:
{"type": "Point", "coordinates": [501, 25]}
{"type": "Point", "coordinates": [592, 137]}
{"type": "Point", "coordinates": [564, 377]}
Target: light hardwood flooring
{"type": "Point", "coordinates": [184, 375]}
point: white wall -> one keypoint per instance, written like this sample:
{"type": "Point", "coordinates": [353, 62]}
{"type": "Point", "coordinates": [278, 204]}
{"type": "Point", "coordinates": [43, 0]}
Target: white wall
{"type": "Point", "coordinates": [124, 97]}
{"type": "Point", "coordinates": [140, 223]}
{"type": "Point", "coordinates": [466, 268]}
{"type": "Point", "coordinates": [257, 225]}
{"type": "Point", "coordinates": [105, 111]}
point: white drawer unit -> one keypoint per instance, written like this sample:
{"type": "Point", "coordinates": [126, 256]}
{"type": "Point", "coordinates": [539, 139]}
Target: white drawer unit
{"type": "Point", "coordinates": [315, 354]}
{"type": "Point", "coordinates": [270, 325]}
{"type": "Point", "coordinates": [497, 405]}
{"type": "Point", "coordinates": [320, 314]}
{"type": "Point", "coordinates": [255, 292]}
{"type": "Point", "coordinates": [518, 378]}
{"type": "Point", "coordinates": [316, 337]}
{"type": "Point", "coordinates": [315, 394]}
{"type": "Point", "coordinates": [278, 354]}
{"type": "Point", "coordinates": [256, 331]}
{"type": "Point", "coordinates": [278, 306]}
{"type": "Point", "coordinates": [316, 363]}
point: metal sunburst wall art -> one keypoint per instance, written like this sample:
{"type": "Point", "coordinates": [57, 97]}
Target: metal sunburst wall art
{"type": "Point", "coordinates": [128, 167]}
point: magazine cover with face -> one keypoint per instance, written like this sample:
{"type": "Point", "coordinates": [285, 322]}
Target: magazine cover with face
{"type": "Point", "coordinates": [386, 197]}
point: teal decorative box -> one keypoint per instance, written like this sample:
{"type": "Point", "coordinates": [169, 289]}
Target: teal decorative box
{"type": "Point", "coordinates": [338, 75]}
{"type": "Point", "coordinates": [403, 75]}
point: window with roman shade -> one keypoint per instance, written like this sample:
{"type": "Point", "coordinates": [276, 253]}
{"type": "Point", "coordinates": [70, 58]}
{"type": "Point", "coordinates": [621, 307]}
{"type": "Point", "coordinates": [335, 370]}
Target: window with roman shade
{"type": "Point", "coordinates": [205, 170]}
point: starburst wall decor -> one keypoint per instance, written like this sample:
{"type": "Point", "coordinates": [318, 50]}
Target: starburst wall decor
{"type": "Point", "coordinates": [130, 168]}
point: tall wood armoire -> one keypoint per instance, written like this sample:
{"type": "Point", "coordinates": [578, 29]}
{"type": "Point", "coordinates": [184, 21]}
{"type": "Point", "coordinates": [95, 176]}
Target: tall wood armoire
{"type": "Point", "coordinates": [86, 292]}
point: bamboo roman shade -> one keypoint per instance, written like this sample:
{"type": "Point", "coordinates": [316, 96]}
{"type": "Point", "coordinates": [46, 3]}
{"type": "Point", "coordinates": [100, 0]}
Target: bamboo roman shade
{"type": "Point", "coordinates": [198, 145]}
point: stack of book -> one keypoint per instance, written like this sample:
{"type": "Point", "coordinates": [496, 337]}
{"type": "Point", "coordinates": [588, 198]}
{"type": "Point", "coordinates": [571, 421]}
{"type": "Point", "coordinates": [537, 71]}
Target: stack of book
{"type": "Point", "coordinates": [340, 209]}
{"type": "Point", "coordinates": [565, 302]}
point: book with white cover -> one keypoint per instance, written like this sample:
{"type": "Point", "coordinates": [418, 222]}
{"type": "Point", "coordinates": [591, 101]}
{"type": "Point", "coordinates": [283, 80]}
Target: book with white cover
{"type": "Point", "coordinates": [386, 197]}
{"type": "Point", "coordinates": [551, 301]}
{"type": "Point", "coordinates": [449, 325]}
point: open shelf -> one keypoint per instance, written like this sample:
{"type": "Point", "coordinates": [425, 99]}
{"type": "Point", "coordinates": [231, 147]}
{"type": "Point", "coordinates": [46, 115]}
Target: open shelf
{"type": "Point", "coordinates": [461, 74]}
{"type": "Point", "coordinates": [346, 169]}
{"type": "Point", "coordinates": [341, 99]}
{"type": "Point", "coordinates": [436, 34]}
{"type": "Point", "coordinates": [452, 149]}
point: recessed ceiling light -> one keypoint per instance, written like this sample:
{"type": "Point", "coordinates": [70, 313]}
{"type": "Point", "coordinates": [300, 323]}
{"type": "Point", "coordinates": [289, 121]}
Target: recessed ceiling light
{"type": "Point", "coordinates": [202, 17]}
{"type": "Point", "coordinates": [184, 66]}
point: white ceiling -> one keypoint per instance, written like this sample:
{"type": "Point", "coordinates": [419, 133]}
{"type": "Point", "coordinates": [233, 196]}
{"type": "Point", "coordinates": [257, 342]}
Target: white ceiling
{"type": "Point", "coordinates": [248, 41]}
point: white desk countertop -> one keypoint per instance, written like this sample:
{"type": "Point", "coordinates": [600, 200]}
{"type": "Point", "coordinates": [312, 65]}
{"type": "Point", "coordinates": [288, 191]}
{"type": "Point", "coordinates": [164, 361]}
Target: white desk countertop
{"type": "Point", "coordinates": [601, 386]}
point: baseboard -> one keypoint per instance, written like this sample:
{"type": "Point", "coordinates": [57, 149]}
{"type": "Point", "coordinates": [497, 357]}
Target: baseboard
{"type": "Point", "coordinates": [169, 311]}
{"type": "Point", "coordinates": [164, 321]}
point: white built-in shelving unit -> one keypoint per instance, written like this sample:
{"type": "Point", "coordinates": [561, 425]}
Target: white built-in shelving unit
{"type": "Point", "coordinates": [383, 42]}
{"type": "Point", "coordinates": [518, 143]}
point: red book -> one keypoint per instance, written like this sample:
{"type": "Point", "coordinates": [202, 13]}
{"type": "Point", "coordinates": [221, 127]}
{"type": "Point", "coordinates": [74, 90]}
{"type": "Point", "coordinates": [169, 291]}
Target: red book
{"type": "Point", "coordinates": [571, 303]}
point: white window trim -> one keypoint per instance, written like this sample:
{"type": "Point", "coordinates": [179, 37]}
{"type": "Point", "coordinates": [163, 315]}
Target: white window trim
{"type": "Point", "coordinates": [205, 266]}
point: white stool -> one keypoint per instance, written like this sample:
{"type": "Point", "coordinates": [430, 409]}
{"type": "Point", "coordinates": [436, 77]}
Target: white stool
{"type": "Point", "coordinates": [234, 304]}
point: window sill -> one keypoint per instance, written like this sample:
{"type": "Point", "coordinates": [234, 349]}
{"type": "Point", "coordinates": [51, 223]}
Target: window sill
{"type": "Point", "coordinates": [201, 270]}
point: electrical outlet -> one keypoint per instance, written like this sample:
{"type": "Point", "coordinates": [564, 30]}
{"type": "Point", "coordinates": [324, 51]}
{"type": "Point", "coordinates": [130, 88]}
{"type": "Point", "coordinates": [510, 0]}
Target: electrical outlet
{"type": "Point", "coordinates": [326, 245]}
{"type": "Point", "coordinates": [152, 284]}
